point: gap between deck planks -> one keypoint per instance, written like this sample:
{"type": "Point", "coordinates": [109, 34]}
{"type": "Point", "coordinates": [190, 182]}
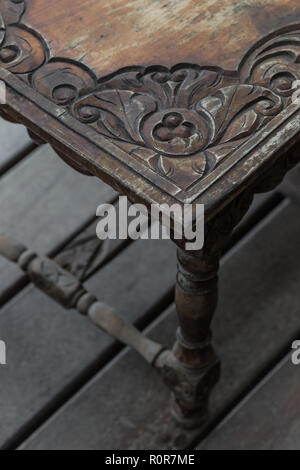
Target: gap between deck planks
{"type": "Point", "coordinates": [42, 203]}
{"type": "Point", "coordinates": [38, 168]}
{"type": "Point", "coordinates": [125, 406]}
{"type": "Point", "coordinates": [144, 275]}
{"type": "Point", "coordinates": [267, 419]}
{"type": "Point", "coordinates": [15, 144]}
{"type": "Point", "coordinates": [58, 196]}
{"type": "Point", "coordinates": [50, 349]}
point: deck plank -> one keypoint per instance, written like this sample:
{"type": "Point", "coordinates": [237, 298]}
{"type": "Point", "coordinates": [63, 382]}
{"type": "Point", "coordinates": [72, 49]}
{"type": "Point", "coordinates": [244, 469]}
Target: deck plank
{"type": "Point", "coordinates": [128, 271]}
{"type": "Point", "coordinates": [49, 349]}
{"type": "Point", "coordinates": [291, 185]}
{"type": "Point", "coordinates": [268, 419]}
{"type": "Point", "coordinates": [126, 406]}
{"type": "Point", "coordinates": [42, 202]}
{"type": "Point", "coordinates": [14, 141]}
{"type": "Point", "coordinates": [42, 188]}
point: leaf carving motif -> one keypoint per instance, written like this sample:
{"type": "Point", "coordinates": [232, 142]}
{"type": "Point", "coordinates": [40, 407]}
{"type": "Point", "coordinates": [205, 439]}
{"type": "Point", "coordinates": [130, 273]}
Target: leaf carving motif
{"type": "Point", "coordinates": [224, 115]}
{"type": "Point", "coordinates": [180, 122]}
{"type": "Point", "coordinates": [22, 51]}
{"type": "Point", "coordinates": [118, 112]}
{"type": "Point", "coordinates": [12, 11]}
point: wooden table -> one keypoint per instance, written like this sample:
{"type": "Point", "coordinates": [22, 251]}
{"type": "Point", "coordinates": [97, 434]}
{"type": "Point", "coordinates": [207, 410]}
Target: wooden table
{"type": "Point", "coordinates": [173, 101]}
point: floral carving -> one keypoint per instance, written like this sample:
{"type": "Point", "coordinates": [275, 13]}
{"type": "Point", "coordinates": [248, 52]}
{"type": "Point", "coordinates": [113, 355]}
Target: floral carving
{"type": "Point", "coordinates": [22, 50]}
{"type": "Point", "coordinates": [180, 122]}
{"type": "Point", "coordinates": [63, 81]}
{"type": "Point", "coordinates": [178, 116]}
{"type": "Point", "coordinates": [12, 11]}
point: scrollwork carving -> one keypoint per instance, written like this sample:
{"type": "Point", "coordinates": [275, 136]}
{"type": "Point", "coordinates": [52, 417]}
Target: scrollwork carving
{"type": "Point", "coordinates": [190, 118]}
{"type": "Point", "coordinates": [22, 49]}
{"type": "Point", "coordinates": [178, 116]}
{"type": "Point", "coordinates": [63, 81]}
{"type": "Point", "coordinates": [181, 122]}
{"type": "Point", "coordinates": [274, 62]}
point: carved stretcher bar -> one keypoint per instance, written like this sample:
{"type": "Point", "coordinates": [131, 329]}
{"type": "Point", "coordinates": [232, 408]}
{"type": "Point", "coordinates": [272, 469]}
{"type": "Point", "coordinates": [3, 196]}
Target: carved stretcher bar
{"type": "Point", "coordinates": [173, 101]}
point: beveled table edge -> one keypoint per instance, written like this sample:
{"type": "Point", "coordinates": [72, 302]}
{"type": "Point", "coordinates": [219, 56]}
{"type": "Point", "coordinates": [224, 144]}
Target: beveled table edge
{"type": "Point", "coordinates": [97, 153]}
{"type": "Point", "coordinates": [252, 101]}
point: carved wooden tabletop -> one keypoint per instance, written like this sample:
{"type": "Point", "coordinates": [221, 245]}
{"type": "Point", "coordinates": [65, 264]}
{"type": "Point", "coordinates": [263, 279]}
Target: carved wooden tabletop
{"type": "Point", "coordinates": [167, 101]}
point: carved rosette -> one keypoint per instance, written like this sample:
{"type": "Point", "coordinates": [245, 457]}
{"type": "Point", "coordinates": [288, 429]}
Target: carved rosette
{"type": "Point", "coordinates": [22, 50]}
{"type": "Point", "coordinates": [63, 81]}
{"type": "Point", "coordinates": [181, 122]}
{"type": "Point", "coordinates": [184, 121]}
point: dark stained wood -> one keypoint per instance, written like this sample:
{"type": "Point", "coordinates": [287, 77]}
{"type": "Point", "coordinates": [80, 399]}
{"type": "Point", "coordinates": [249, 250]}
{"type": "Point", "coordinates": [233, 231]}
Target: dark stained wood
{"type": "Point", "coordinates": [189, 133]}
{"type": "Point", "coordinates": [213, 127]}
{"type": "Point", "coordinates": [196, 301]}
{"type": "Point", "coordinates": [268, 419]}
{"type": "Point", "coordinates": [260, 302]}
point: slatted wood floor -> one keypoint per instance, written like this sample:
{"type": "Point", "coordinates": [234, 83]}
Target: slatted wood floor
{"type": "Point", "coordinates": [67, 385]}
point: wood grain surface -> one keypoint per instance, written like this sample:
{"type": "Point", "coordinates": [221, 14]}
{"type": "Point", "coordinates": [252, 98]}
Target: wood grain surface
{"type": "Point", "coordinates": [268, 419]}
{"type": "Point", "coordinates": [52, 353]}
{"type": "Point", "coordinates": [256, 320]}
{"type": "Point", "coordinates": [140, 93]}
{"type": "Point", "coordinates": [111, 34]}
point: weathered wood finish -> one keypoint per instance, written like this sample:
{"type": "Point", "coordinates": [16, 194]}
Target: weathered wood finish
{"type": "Point", "coordinates": [110, 34]}
{"type": "Point", "coordinates": [66, 342]}
{"type": "Point", "coordinates": [196, 300]}
{"type": "Point", "coordinates": [67, 290]}
{"type": "Point", "coordinates": [42, 187]}
{"type": "Point", "coordinates": [53, 335]}
{"type": "Point", "coordinates": [268, 419]}
{"type": "Point", "coordinates": [197, 297]}
{"type": "Point", "coordinates": [185, 133]}
{"type": "Point", "coordinates": [256, 321]}
{"type": "Point", "coordinates": [213, 126]}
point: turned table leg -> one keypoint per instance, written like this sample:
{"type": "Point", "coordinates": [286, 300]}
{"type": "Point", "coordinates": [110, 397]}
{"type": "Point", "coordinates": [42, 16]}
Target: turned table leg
{"type": "Point", "coordinates": [192, 369]}
{"type": "Point", "coordinates": [196, 302]}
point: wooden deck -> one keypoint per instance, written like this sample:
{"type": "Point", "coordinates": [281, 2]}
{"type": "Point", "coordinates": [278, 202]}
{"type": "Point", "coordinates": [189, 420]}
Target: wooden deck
{"type": "Point", "coordinates": [67, 385]}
